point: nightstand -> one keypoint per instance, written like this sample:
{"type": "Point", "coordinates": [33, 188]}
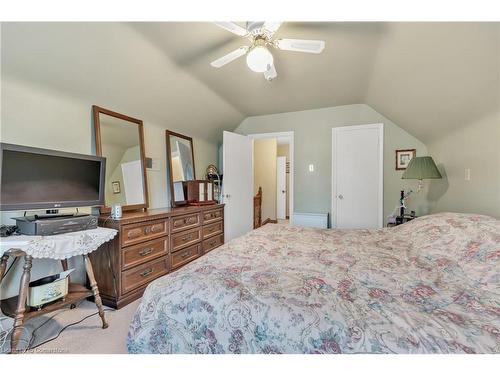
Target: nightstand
{"type": "Point", "coordinates": [401, 220]}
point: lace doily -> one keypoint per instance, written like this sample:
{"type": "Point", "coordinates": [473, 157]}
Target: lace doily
{"type": "Point", "coordinates": [60, 246]}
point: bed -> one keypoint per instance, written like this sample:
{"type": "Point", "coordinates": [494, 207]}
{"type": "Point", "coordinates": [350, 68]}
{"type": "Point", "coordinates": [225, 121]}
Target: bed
{"type": "Point", "coordinates": [429, 286]}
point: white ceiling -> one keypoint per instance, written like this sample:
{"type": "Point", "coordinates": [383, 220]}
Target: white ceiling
{"type": "Point", "coordinates": [426, 77]}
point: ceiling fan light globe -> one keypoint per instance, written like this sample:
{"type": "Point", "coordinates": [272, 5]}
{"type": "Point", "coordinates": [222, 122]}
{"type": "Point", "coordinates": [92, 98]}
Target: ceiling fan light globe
{"type": "Point", "coordinates": [259, 59]}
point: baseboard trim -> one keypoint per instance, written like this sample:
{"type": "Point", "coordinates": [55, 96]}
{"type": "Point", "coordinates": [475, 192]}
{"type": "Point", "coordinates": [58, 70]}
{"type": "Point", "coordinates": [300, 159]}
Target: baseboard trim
{"type": "Point", "coordinates": [269, 221]}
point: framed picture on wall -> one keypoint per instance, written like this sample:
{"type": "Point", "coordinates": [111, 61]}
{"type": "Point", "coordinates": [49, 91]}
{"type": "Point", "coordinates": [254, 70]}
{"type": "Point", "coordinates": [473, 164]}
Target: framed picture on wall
{"type": "Point", "coordinates": [116, 187]}
{"type": "Point", "coordinates": [403, 158]}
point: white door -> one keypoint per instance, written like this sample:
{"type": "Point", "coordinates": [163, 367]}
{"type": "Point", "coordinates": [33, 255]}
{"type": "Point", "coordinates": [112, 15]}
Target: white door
{"type": "Point", "coordinates": [281, 187]}
{"type": "Point", "coordinates": [357, 176]}
{"type": "Point", "coordinates": [237, 185]}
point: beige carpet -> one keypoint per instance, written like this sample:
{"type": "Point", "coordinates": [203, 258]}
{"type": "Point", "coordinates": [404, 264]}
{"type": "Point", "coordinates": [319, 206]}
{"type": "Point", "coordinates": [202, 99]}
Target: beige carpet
{"type": "Point", "coordinates": [86, 337]}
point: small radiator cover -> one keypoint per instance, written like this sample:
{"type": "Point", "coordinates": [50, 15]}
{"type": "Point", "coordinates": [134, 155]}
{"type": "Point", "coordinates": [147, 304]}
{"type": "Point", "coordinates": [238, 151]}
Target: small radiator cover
{"type": "Point", "coordinates": [312, 220]}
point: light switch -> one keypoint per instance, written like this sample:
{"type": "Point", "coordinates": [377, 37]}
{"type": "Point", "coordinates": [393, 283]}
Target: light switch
{"type": "Point", "coordinates": [153, 164]}
{"type": "Point", "coordinates": [467, 174]}
{"type": "Point", "coordinates": [311, 167]}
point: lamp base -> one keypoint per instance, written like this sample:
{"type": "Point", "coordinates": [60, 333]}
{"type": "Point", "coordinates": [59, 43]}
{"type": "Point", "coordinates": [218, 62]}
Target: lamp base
{"type": "Point", "coordinates": [420, 185]}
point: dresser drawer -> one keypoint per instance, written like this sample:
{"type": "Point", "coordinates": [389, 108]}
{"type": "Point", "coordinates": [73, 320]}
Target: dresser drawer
{"type": "Point", "coordinates": [186, 238]}
{"type": "Point", "coordinates": [144, 252]}
{"type": "Point", "coordinates": [143, 274]}
{"type": "Point", "coordinates": [184, 222]}
{"type": "Point", "coordinates": [185, 255]}
{"type": "Point", "coordinates": [212, 243]}
{"type": "Point", "coordinates": [213, 229]}
{"type": "Point", "coordinates": [135, 233]}
{"type": "Point", "coordinates": [212, 215]}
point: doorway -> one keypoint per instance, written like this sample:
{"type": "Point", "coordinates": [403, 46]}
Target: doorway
{"type": "Point", "coordinates": [273, 173]}
{"type": "Point", "coordinates": [238, 159]}
{"type": "Point", "coordinates": [357, 176]}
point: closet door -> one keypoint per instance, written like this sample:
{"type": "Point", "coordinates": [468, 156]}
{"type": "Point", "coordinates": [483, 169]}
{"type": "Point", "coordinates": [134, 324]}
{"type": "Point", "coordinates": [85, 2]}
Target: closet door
{"type": "Point", "coordinates": [237, 185]}
{"type": "Point", "coordinates": [281, 187]}
{"type": "Point", "coordinates": [357, 176]}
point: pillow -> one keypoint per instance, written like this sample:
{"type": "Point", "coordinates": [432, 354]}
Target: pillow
{"type": "Point", "coordinates": [471, 242]}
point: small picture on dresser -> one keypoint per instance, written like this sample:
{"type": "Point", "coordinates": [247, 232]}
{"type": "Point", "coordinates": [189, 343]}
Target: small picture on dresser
{"type": "Point", "coordinates": [115, 185]}
{"type": "Point", "coordinates": [403, 158]}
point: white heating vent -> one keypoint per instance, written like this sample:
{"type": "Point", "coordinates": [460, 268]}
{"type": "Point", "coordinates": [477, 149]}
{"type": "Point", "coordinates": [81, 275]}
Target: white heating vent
{"type": "Point", "coordinates": [310, 220]}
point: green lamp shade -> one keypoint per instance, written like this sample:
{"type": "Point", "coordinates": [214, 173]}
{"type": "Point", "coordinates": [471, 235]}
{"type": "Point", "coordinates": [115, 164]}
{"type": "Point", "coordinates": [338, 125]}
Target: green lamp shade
{"type": "Point", "coordinates": [421, 168]}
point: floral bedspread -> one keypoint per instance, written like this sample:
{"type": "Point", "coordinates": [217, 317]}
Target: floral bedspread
{"type": "Point", "coordinates": [429, 286]}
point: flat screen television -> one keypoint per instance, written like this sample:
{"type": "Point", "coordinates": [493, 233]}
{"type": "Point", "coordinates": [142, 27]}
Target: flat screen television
{"type": "Point", "coordinates": [34, 178]}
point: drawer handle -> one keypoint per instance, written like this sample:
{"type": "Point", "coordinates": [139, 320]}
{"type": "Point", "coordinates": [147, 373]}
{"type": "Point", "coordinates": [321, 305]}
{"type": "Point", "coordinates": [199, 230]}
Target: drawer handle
{"type": "Point", "coordinates": [157, 228]}
{"type": "Point", "coordinates": [189, 220]}
{"type": "Point", "coordinates": [212, 215]}
{"type": "Point", "coordinates": [187, 237]}
{"type": "Point", "coordinates": [133, 234]}
{"type": "Point", "coordinates": [146, 272]}
{"type": "Point", "coordinates": [147, 230]}
{"type": "Point", "coordinates": [212, 243]}
{"type": "Point", "coordinates": [185, 254]}
{"type": "Point", "coordinates": [145, 251]}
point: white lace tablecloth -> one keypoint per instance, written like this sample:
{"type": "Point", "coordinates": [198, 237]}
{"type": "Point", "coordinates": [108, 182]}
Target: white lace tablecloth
{"type": "Point", "coordinates": [60, 246]}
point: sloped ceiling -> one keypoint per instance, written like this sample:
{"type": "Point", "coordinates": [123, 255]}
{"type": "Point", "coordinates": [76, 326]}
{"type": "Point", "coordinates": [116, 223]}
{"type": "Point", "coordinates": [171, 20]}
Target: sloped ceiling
{"type": "Point", "coordinates": [429, 78]}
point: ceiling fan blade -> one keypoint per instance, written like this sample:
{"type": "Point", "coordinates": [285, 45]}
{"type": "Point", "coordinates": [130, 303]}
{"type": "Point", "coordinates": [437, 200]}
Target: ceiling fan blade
{"type": "Point", "coordinates": [271, 73]}
{"type": "Point", "coordinates": [232, 27]}
{"type": "Point", "coordinates": [301, 45]}
{"type": "Point", "coordinates": [229, 57]}
{"type": "Point", "coordinates": [272, 27]}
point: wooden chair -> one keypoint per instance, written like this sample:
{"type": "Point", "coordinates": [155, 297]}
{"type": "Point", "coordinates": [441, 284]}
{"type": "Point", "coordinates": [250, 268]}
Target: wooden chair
{"type": "Point", "coordinates": [257, 209]}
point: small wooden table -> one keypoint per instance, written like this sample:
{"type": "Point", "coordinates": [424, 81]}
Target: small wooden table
{"type": "Point", "coordinates": [51, 247]}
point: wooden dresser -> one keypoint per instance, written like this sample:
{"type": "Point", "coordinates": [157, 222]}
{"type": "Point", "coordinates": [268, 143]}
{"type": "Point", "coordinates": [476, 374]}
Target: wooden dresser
{"type": "Point", "coordinates": [151, 244]}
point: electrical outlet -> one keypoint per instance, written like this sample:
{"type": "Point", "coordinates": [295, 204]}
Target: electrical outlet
{"type": "Point", "coordinates": [467, 174]}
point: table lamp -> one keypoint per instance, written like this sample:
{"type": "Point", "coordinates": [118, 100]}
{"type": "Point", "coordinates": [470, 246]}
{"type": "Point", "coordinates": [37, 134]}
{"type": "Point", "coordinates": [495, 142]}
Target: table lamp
{"type": "Point", "coordinates": [421, 168]}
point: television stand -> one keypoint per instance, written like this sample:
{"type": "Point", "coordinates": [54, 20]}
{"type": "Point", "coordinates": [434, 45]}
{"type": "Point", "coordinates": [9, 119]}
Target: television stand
{"type": "Point", "coordinates": [58, 249]}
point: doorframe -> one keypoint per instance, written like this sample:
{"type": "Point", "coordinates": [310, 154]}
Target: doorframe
{"type": "Point", "coordinates": [290, 136]}
{"type": "Point", "coordinates": [380, 128]}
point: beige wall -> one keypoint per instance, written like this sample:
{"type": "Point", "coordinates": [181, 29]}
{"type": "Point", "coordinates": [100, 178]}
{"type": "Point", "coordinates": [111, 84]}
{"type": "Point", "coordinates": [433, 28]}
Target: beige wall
{"type": "Point", "coordinates": [476, 147]}
{"type": "Point", "coordinates": [264, 169]}
{"type": "Point", "coordinates": [313, 138]}
{"type": "Point", "coordinates": [40, 117]}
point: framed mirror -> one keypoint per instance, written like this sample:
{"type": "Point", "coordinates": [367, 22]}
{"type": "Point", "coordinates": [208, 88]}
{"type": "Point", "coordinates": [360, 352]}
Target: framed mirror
{"type": "Point", "coordinates": [180, 164]}
{"type": "Point", "coordinates": [120, 139]}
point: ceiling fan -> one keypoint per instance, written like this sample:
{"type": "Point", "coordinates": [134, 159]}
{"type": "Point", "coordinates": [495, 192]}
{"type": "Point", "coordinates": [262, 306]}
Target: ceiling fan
{"type": "Point", "coordinates": [261, 35]}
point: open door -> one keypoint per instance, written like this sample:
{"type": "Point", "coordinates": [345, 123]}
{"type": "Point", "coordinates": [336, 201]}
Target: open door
{"type": "Point", "coordinates": [237, 185]}
{"type": "Point", "coordinates": [281, 187]}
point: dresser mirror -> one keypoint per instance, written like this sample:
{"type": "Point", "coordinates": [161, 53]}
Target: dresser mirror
{"type": "Point", "coordinates": [180, 165]}
{"type": "Point", "coordinates": [120, 139]}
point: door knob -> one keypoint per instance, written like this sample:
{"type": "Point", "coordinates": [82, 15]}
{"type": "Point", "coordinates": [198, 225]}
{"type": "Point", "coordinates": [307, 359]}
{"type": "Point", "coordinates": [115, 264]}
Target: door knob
{"type": "Point", "coordinates": [341, 196]}
{"type": "Point", "coordinates": [283, 191]}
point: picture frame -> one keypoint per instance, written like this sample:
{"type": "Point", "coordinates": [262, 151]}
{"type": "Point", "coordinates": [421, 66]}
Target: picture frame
{"type": "Point", "coordinates": [115, 185]}
{"type": "Point", "coordinates": [403, 158]}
